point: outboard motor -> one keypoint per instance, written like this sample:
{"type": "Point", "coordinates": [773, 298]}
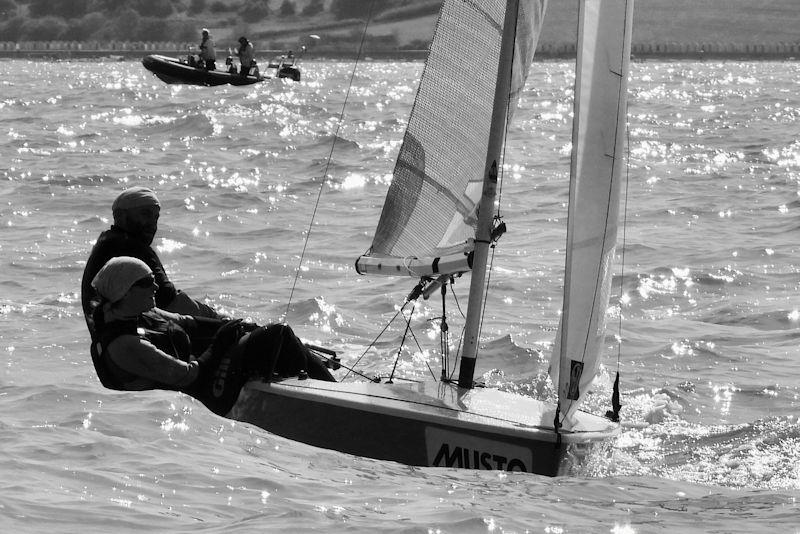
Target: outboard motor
{"type": "Point", "coordinates": [289, 71]}
{"type": "Point", "coordinates": [287, 68]}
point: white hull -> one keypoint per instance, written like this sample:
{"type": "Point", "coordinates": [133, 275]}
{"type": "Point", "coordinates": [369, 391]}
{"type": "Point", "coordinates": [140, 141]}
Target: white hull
{"type": "Point", "coordinates": [424, 424]}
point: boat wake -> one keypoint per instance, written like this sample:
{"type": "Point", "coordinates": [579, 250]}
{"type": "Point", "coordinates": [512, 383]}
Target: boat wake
{"type": "Point", "coordinates": [746, 455]}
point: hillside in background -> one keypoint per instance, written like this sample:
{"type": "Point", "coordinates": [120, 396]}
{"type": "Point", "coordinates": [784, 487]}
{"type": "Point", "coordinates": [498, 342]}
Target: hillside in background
{"type": "Point", "coordinates": [693, 21]}
{"type": "Point", "coordinates": [394, 25]}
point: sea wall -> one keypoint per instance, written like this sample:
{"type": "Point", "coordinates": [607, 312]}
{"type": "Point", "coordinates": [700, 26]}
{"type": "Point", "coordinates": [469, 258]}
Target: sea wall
{"type": "Point", "coordinates": [135, 49]}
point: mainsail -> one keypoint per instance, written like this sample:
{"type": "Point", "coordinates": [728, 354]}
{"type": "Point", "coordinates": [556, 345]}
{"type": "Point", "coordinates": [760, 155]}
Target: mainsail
{"type": "Point", "coordinates": [604, 37]}
{"type": "Point", "coordinates": [427, 225]}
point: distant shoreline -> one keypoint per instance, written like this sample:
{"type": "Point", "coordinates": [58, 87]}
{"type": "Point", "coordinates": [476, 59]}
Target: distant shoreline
{"type": "Point", "coordinates": [545, 51]}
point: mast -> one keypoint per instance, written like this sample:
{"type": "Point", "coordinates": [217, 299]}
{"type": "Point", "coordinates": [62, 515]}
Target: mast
{"type": "Point", "coordinates": [486, 206]}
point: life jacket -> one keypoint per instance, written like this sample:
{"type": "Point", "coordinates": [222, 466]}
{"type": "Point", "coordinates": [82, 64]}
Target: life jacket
{"type": "Point", "coordinates": [165, 334]}
{"type": "Point", "coordinates": [219, 382]}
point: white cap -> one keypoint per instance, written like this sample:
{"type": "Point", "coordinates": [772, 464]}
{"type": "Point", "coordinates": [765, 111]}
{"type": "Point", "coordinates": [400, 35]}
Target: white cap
{"type": "Point", "coordinates": [117, 276]}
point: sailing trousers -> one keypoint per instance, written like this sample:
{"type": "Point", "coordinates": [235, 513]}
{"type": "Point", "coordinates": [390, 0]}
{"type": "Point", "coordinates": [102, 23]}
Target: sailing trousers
{"type": "Point", "coordinates": [266, 353]}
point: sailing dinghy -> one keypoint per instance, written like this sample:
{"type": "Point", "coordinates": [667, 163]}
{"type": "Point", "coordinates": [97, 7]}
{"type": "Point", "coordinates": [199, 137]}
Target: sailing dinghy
{"type": "Point", "coordinates": [437, 222]}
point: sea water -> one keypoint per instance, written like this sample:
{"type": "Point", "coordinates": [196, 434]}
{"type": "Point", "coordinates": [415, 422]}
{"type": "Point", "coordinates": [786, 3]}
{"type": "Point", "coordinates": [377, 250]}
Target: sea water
{"type": "Point", "coordinates": [268, 195]}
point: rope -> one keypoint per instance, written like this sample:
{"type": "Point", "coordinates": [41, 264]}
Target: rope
{"type": "Point", "coordinates": [372, 344]}
{"type": "Point", "coordinates": [403, 341]}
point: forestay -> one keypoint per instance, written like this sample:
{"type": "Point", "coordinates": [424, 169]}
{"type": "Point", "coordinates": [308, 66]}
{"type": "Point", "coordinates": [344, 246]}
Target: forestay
{"type": "Point", "coordinates": [597, 138]}
{"type": "Point", "coordinates": [427, 225]}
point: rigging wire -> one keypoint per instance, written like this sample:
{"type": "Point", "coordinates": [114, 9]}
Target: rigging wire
{"type": "Point", "coordinates": [375, 340]}
{"type": "Point", "coordinates": [403, 341]}
{"type": "Point", "coordinates": [330, 157]}
{"type": "Point", "coordinates": [416, 342]}
{"type": "Point", "coordinates": [351, 369]}
{"type": "Point", "coordinates": [624, 240]}
{"type": "Point", "coordinates": [444, 334]}
{"type": "Point", "coordinates": [463, 328]}
{"type": "Point", "coordinates": [613, 414]}
{"type": "Point", "coordinates": [419, 347]}
{"type": "Point", "coordinates": [447, 371]}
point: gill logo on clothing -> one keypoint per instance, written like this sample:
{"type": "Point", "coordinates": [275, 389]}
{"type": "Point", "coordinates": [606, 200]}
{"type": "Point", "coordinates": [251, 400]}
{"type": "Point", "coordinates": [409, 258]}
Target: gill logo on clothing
{"type": "Point", "coordinates": [220, 375]}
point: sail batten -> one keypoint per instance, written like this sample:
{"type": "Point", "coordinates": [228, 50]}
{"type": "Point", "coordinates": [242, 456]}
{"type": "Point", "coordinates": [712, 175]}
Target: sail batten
{"type": "Point", "coordinates": [598, 134]}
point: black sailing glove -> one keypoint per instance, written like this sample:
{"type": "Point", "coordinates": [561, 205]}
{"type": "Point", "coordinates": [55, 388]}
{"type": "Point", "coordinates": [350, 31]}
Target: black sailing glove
{"type": "Point", "coordinates": [226, 337]}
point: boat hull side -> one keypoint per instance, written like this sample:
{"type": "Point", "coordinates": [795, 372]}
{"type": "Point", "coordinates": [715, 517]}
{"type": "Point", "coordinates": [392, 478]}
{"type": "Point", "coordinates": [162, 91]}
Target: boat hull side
{"type": "Point", "coordinates": [371, 430]}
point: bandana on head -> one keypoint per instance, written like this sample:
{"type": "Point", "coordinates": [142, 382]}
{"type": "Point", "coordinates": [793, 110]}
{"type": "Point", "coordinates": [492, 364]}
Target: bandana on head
{"type": "Point", "coordinates": [135, 197]}
{"type": "Point", "coordinates": [117, 276]}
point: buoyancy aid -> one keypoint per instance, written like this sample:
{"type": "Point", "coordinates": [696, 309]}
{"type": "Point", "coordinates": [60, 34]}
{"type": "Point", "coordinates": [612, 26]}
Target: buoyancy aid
{"type": "Point", "coordinates": [166, 334]}
{"type": "Point", "coordinates": [220, 380]}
